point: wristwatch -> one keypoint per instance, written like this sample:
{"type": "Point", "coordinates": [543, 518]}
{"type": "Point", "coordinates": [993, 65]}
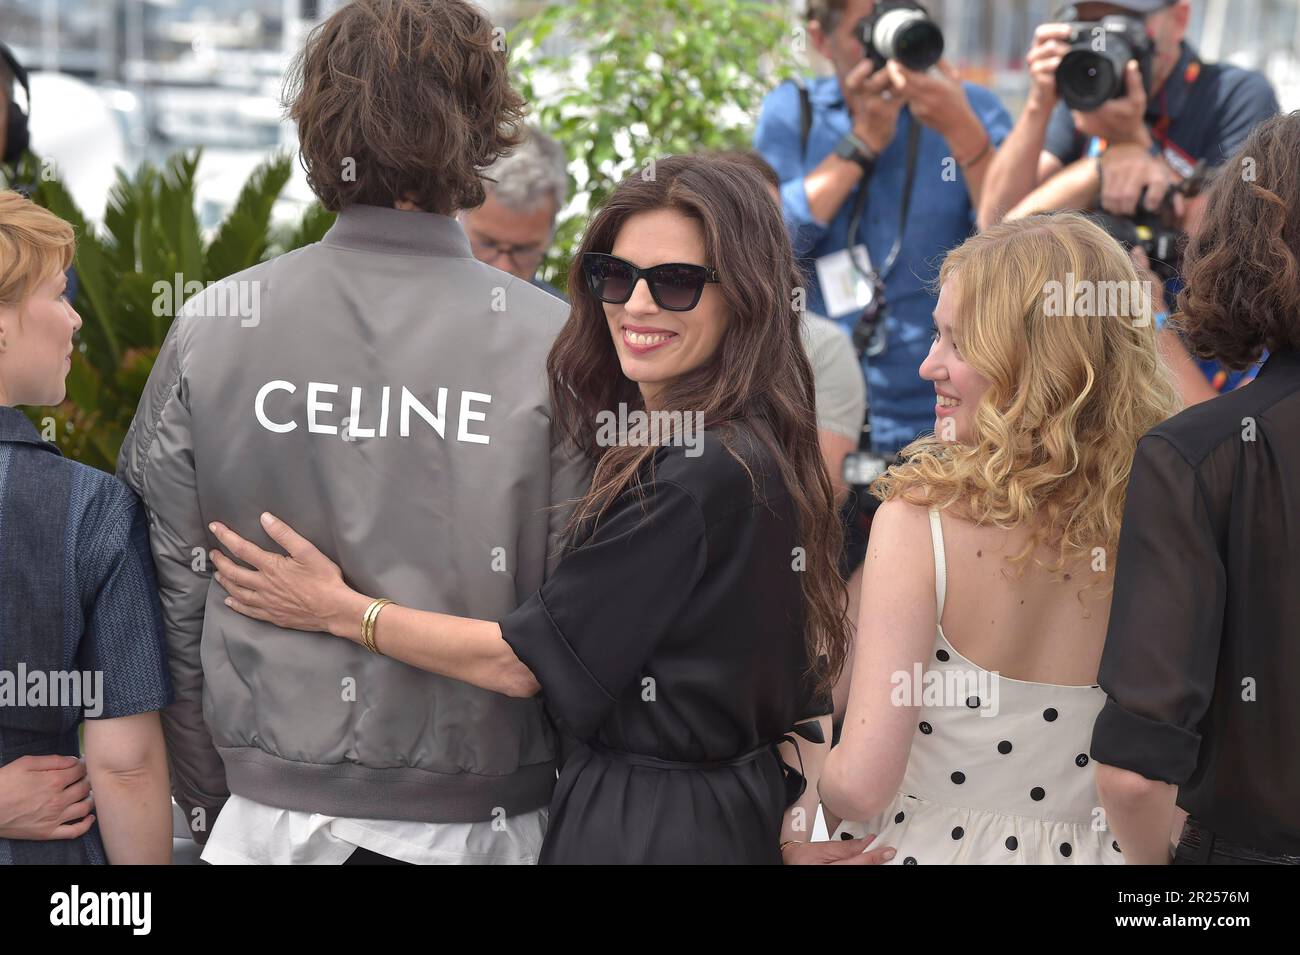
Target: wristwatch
{"type": "Point", "coordinates": [850, 147]}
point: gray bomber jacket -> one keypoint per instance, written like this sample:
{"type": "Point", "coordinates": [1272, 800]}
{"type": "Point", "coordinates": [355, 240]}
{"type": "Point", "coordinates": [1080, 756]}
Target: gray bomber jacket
{"type": "Point", "coordinates": [386, 394]}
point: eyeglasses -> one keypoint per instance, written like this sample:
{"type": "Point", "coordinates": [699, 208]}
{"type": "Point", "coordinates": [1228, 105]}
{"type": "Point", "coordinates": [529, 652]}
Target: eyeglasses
{"type": "Point", "coordinates": [675, 286]}
{"type": "Point", "coordinates": [523, 256]}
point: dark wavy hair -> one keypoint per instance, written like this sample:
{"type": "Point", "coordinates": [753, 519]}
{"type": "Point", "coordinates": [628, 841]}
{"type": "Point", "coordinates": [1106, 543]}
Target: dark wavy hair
{"type": "Point", "coordinates": [1243, 268]}
{"type": "Point", "coordinates": [403, 99]}
{"type": "Point", "coordinates": [759, 378]}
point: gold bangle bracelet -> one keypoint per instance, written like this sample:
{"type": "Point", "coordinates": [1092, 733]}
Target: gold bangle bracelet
{"type": "Point", "coordinates": [368, 621]}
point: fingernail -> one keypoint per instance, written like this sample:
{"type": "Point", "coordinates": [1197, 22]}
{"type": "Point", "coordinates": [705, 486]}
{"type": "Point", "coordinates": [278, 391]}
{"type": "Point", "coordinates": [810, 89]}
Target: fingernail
{"type": "Point", "coordinates": [267, 518]}
{"type": "Point", "coordinates": [213, 527]}
{"type": "Point", "coordinates": [887, 854]}
{"type": "Point", "coordinates": [229, 602]}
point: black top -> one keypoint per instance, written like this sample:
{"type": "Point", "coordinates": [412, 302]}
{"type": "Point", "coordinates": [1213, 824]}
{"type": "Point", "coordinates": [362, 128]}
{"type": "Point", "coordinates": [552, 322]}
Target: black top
{"type": "Point", "coordinates": [674, 633]}
{"type": "Point", "coordinates": [81, 633]}
{"type": "Point", "coordinates": [1202, 657]}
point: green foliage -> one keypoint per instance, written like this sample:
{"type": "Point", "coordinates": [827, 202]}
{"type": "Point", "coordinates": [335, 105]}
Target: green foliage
{"type": "Point", "coordinates": [674, 76]}
{"type": "Point", "coordinates": [668, 77]}
{"type": "Point", "coordinates": [150, 235]}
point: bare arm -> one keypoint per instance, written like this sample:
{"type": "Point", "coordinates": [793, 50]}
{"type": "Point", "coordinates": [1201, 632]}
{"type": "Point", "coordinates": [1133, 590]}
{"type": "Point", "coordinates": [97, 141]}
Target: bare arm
{"type": "Point", "coordinates": [1019, 167]}
{"type": "Point", "coordinates": [1140, 812]}
{"type": "Point", "coordinates": [1022, 164]}
{"type": "Point", "coordinates": [309, 593]}
{"type": "Point", "coordinates": [796, 829]}
{"type": "Point", "coordinates": [829, 185]}
{"type": "Point", "coordinates": [863, 773]}
{"type": "Point", "coordinates": [976, 173]}
{"type": "Point", "coordinates": [469, 650]}
{"type": "Point", "coordinates": [127, 764]}
{"type": "Point", "coordinates": [1075, 187]}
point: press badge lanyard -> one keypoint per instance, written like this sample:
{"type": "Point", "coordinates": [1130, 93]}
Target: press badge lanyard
{"type": "Point", "coordinates": [1173, 153]}
{"type": "Point", "coordinates": [873, 334]}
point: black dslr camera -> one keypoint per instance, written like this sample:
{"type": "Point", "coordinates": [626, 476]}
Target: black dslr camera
{"type": "Point", "coordinates": [901, 30]}
{"type": "Point", "coordinates": [1163, 244]}
{"type": "Point", "coordinates": [1093, 71]}
{"type": "Point", "coordinates": [1158, 233]}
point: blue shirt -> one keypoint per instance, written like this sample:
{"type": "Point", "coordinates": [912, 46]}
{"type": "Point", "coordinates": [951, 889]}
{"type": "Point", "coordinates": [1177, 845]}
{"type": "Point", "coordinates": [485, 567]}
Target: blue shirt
{"type": "Point", "coordinates": [900, 403]}
{"type": "Point", "coordinates": [77, 594]}
{"type": "Point", "coordinates": [1206, 111]}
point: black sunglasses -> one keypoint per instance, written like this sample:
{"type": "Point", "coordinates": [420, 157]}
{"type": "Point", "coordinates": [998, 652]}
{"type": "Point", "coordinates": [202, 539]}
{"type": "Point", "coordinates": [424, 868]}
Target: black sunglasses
{"type": "Point", "coordinates": [675, 286]}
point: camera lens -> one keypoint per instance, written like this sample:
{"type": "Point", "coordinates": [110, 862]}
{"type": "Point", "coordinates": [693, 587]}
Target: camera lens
{"type": "Point", "coordinates": [910, 37]}
{"type": "Point", "coordinates": [1093, 71]}
{"type": "Point", "coordinates": [1087, 79]}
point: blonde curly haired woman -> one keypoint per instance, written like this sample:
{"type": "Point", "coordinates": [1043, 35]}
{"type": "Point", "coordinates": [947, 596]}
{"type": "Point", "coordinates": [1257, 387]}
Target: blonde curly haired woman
{"type": "Point", "coordinates": [986, 590]}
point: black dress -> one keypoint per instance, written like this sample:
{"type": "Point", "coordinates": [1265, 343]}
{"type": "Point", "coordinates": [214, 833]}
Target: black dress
{"type": "Point", "coordinates": [1202, 654]}
{"type": "Point", "coordinates": [669, 645]}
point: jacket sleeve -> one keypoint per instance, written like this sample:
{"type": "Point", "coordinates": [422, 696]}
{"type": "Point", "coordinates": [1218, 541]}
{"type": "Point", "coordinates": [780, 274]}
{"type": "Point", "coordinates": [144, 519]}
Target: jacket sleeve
{"type": "Point", "coordinates": [1160, 663]}
{"type": "Point", "coordinates": [589, 631]}
{"type": "Point", "coordinates": [157, 462]}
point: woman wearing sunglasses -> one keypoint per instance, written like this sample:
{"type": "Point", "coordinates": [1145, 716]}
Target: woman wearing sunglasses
{"type": "Point", "coordinates": [697, 615]}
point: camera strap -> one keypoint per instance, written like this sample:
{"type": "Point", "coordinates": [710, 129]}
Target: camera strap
{"type": "Point", "coordinates": [805, 115]}
{"type": "Point", "coordinates": [865, 334]}
{"type": "Point", "coordinates": [860, 202]}
{"type": "Point", "coordinates": [1175, 155]}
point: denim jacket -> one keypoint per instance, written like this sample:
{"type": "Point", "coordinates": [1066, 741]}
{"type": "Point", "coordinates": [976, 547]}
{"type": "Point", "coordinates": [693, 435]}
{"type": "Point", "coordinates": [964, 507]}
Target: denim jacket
{"type": "Point", "coordinates": [81, 631]}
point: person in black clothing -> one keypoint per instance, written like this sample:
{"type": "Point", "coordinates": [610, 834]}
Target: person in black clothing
{"type": "Point", "coordinates": [698, 620]}
{"type": "Point", "coordinates": [1201, 656]}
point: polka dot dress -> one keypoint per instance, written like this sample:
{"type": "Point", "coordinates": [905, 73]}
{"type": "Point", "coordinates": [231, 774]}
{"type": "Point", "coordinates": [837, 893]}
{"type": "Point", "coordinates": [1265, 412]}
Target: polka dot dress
{"type": "Point", "coordinates": [1001, 777]}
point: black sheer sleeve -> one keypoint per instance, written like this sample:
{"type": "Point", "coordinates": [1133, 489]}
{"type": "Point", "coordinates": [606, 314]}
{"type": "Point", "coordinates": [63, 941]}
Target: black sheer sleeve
{"type": "Point", "coordinates": [1162, 647]}
{"type": "Point", "coordinates": [588, 632]}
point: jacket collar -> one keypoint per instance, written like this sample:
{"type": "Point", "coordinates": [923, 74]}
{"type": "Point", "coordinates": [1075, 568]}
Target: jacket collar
{"type": "Point", "coordinates": [1285, 361]}
{"type": "Point", "coordinates": [15, 428]}
{"type": "Point", "coordinates": [376, 229]}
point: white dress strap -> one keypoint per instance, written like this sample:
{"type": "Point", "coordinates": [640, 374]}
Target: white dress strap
{"type": "Point", "coordinates": [940, 562]}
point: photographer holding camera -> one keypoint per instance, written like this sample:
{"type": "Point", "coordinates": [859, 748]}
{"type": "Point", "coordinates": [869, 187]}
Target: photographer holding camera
{"type": "Point", "coordinates": [1120, 109]}
{"type": "Point", "coordinates": [891, 150]}
{"type": "Point", "coordinates": [881, 168]}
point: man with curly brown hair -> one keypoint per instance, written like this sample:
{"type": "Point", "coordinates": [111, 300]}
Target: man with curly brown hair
{"type": "Point", "coordinates": [1200, 659]}
{"type": "Point", "coordinates": [386, 393]}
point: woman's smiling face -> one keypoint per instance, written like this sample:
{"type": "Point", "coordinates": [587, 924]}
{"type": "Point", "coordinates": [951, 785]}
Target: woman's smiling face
{"type": "Point", "coordinates": [958, 387]}
{"type": "Point", "coordinates": [656, 345]}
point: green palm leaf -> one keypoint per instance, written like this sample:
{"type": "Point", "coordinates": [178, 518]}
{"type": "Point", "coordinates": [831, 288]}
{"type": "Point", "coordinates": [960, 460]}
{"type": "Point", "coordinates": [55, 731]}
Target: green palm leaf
{"type": "Point", "coordinates": [242, 240]}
